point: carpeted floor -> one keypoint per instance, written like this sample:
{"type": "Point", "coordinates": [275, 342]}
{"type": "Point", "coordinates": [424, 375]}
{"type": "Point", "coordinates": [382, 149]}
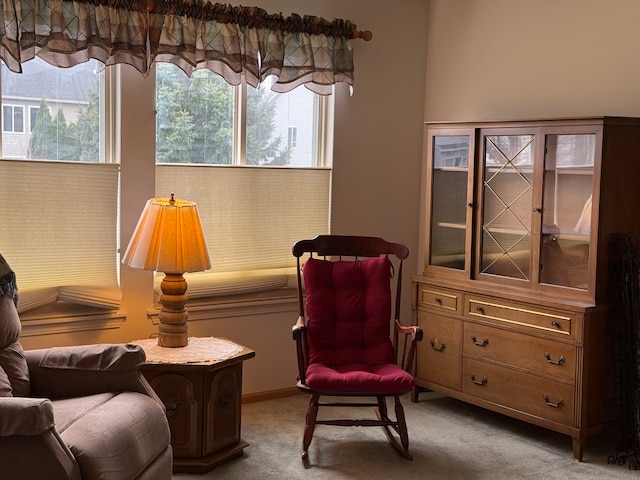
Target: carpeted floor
{"type": "Point", "coordinates": [448, 439]}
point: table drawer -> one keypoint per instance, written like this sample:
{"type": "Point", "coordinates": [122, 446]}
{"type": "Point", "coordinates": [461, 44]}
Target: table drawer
{"type": "Point", "coordinates": [520, 314]}
{"type": "Point", "coordinates": [439, 357]}
{"type": "Point", "coordinates": [439, 298]}
{"type": "Point", "coordinates": [527, 393]}
{"type": "Point", "coordinates": [536, 354]}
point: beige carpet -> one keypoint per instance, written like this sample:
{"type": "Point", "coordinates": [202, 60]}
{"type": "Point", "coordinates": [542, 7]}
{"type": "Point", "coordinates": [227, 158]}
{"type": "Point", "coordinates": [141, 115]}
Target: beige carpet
{"type": "Point", "coordinates": [448, 439]}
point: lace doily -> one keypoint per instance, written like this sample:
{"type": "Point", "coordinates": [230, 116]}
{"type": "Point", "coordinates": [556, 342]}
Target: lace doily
{"type": "Point", "coordinates": [199, 350]}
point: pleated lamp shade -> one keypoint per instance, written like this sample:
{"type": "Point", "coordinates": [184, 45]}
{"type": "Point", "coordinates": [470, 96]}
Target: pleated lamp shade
{"type": "Point", "coordinates": [168, 238]}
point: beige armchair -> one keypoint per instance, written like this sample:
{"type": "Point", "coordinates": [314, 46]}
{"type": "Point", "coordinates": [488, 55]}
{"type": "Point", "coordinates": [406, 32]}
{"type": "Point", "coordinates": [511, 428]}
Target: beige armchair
{"type": "Point", "coordinates": [82, 412]}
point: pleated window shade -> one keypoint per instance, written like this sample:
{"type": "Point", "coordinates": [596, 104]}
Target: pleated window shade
{"type": "Point", "coordinates": [59, 231]}
{"type": "Point", "coordinates": [252, 216]}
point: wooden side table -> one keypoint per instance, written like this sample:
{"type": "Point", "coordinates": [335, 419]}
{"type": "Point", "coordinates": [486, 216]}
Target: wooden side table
{"type": "Point", "coordinates": [201, 387]}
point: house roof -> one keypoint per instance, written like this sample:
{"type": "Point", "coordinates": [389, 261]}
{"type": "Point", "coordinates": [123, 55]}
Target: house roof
{"type": "Point", "coordinates": [41, 80]}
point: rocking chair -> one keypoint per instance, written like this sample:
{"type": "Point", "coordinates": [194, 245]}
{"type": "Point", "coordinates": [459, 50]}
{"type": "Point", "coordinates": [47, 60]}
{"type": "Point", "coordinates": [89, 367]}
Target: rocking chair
{"type": "Point", "coordinates": [343, 333]}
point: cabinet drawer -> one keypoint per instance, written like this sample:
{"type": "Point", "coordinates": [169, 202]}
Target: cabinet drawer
{"type": "Point", "coordinates": [439, 298]}
{"type": "Point", "coordinates": [519, 314]}
{"type": "Point", "coordinates": [439, 357]}
{"type": "Point", "coordinates": [527, 393]}
{"type": "Point", "coordinates": [539, 355]}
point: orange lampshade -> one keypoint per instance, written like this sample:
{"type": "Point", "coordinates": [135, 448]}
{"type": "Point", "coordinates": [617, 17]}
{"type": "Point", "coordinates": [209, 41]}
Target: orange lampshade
{"type": "Point", "coordinates": [168, 238]}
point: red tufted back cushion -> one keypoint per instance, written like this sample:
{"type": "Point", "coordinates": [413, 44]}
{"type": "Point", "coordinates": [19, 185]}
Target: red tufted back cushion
{"type": "Point", "coordinates": [348, 311]}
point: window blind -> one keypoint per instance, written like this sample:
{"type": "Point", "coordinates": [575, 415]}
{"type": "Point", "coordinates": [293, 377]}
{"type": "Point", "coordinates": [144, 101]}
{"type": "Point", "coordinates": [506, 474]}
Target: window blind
{"type": "Point", "coordinates": [251, 216]}
{"type": "Point", "coordinates": [59, 231]}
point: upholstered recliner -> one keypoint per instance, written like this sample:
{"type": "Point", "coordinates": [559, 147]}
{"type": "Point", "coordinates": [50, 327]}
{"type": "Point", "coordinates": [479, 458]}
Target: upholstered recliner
{"type": "Point", "coordinates": [82, 412]}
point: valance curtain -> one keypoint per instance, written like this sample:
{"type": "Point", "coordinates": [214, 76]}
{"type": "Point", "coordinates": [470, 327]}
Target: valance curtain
{"type": "Point", "coordinates": [235, 42]}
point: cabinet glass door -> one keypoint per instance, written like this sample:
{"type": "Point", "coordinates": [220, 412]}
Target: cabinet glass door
{"type": "Point", "coordinates": [566, 217]}
{"type": "Point", "coordinates": [507, 192]}
{"type": "Point", "coordinates": [449, 187]}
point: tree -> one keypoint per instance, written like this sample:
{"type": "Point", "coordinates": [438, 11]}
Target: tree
{"type": "Point", "coordinates": [49, 136]}
{"type": "Point", "coordinates": [54, 139]}
{"type": "Point", "coordinates": [262, 147]}
{"type": "Point", "coordinates": [195, 121]}
{"type": "Point", "coordinates": [87, 129]}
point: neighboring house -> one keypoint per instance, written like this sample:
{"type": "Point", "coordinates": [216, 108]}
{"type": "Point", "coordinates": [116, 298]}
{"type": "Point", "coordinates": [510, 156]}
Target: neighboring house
{"type": "Point", "coordinates": [22, 94]}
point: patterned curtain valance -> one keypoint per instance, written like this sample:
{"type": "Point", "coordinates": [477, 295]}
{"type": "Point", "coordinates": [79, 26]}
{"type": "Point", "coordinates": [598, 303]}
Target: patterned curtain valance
{"type": "Point", "coordinates": [234, 42]}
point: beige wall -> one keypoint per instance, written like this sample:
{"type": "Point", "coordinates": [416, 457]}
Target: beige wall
{"type": "Point", "coordinates": [507, 59]}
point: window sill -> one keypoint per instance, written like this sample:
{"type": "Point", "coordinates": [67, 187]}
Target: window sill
{"type": "Point", "coordinates": [278, 301]}
{"type": "Point", "coordinates": [61, 317]}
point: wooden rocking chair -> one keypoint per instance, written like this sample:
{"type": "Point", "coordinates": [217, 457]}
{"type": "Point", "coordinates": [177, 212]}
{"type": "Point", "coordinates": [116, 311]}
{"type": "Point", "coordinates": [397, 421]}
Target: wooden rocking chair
{"type": "Point", "coordinates": [343, 333]}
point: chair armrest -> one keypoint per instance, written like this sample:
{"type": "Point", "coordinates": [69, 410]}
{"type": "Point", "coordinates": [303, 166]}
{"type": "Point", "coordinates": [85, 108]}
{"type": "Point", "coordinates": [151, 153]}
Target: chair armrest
{"type": "Point", "coordinates": [25, 416]}
{"type": "Point", "coordinates": [299, 333]}
{"type": "Point", "coordinates": [413, 330]}
{"type": "Point", "coordinates": [298, 328]}
{"type": "Point", "coordinates": [86, 370]}
{"type": "Point", "coordinates": [412, 335]}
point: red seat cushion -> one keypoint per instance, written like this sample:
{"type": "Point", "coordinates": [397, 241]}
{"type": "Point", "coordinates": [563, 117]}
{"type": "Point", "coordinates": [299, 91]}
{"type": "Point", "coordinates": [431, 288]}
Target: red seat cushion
{"type": "Point", "coordinates": [348, 326]}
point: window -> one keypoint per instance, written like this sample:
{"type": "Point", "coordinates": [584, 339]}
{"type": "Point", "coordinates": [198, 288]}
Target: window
{"type": "Point", "coordinates": [229, 149]}
{"type": "Point", "coordinates": [13, 118]}
{"type": "Point", "coordinates": [59, 205]}
{"type": "Point", "coordinates": [293, 137]}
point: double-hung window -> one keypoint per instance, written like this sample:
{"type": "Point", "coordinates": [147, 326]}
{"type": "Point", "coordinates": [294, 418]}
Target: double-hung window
{"type": "Point", "coordinates": [59, 195]}
{"type": "Point", "coordinates": [230, 149]}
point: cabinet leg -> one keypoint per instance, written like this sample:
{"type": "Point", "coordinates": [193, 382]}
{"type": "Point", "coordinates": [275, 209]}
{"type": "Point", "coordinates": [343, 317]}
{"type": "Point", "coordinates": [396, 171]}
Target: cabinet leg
{"type": "Point", "coordinates": [578, 448]}
{"type": "Point", "coordinates": [417, 390]}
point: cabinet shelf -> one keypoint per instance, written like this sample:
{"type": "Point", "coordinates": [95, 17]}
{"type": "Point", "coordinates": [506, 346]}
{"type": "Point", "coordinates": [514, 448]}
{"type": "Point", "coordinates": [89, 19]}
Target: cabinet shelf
{"type": "Point", "coordinates": [456, 226]}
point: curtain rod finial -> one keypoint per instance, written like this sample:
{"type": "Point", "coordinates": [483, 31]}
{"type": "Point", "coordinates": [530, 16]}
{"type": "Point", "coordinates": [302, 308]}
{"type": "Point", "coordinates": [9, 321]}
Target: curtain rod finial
{"type": "Point", "coordinates": [365, 35]}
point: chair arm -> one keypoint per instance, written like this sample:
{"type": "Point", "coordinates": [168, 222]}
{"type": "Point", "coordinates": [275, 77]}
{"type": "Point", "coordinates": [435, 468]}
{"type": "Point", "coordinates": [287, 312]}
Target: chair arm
{"type": "Point", "coordinates": [25, 416]}
{"type": "Point", "coordinates": [413, 330]}
{"type": "Point", "coordinates": [299, 333]}
{"type": "Point", "coordinates": [86, 370]}
{"type": "Point", "coordinates": [408, 348]}
{"type": "Point", "coordinates": [30, 444]}
{"type": "Point", "coordinates": [298, 328]}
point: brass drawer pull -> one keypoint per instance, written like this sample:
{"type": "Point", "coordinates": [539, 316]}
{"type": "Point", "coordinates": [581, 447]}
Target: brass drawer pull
{"type": "Point", "coordinates": [558, 404]}
{"type": "Point", "coordinates": [437, 299]}
{"type": "Point", "coordinates": [482, 381]}
{"type": "Point", "coordinates": [560, 360]}
{"type": "Point", "coordinates": [439, 348]}
{"type": "Point", "coordinates": [480, 309]}
{"type": "Point", "coordinates": [555, 324]}
{"type": "Point", "coordinates": [475, 341]}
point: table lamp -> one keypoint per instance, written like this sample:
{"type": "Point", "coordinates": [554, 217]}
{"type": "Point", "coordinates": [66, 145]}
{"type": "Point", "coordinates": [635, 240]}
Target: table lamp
{"type": "Point", "coordinates": [169, 238]}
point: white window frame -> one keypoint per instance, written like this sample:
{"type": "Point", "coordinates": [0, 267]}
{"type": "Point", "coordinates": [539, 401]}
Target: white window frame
{"type": "Point", "coordinates": [13, 108]}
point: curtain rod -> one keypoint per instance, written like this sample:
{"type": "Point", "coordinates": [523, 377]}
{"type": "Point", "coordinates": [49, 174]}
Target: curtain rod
{"type": "Point", "coordinates": [246, 15]}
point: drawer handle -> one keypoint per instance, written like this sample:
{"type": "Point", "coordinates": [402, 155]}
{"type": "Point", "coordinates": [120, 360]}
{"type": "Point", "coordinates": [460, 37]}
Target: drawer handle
{"type": "Point", "coordinates": [440, 348]}
{"type": "Point", "coordinates": [560, 360]}
{"type": "Point", "coordinates": [475, 341]}
{"type": "Point", "coordinates": [483, 381]}
{"type": "Point", "coordinates": [437, 299]}
{"type": "Point", "coordinates": [171, 406]}
{"type": "Point", "coordinates": [555, 324]}
{"type": "Point", "coordinates": [480, 309]}
{"type": "Point", "coordinates": [558, 404]}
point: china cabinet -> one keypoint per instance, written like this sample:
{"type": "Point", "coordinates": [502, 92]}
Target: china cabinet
{"type": "Point", "coordinates": [513, 294]}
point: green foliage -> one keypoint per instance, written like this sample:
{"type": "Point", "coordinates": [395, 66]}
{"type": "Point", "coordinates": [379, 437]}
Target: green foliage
{"type": "Point", "coordinates": [194, 124]}
{"type": "Point", "coordinates": [54, 139]}
{"type": "Point", "coordinates": [195, 121]}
